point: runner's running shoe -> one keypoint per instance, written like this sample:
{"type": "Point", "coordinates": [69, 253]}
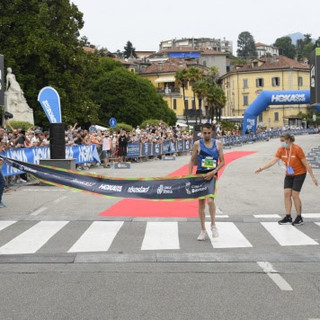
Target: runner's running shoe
{"type": "Point", "coordinates": [215, 233]}
{"type": "Point", "coordinates": [298, 221]}
{"type": "Point", "coordinates": [202, 236]}
{"type": "Point", "coordinates": [286, 220]}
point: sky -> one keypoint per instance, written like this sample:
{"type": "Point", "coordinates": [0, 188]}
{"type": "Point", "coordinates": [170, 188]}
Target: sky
{"type": "Point", "coordinates": [110, 24]}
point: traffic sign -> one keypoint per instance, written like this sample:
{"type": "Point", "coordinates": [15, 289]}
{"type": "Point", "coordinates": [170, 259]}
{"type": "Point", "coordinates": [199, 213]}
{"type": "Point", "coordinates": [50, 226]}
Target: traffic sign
{"type": "Point", "coordinates": [113, 122]}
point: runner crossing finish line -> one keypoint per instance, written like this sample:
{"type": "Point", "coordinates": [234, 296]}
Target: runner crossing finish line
{"type": "Point", "coordinates": [158, 188]}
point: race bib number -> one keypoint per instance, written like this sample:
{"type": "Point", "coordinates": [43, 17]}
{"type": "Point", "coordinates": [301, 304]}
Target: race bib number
{"type": "Point", "coordinates": [208, 163]}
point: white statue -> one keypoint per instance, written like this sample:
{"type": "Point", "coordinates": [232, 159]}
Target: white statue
{"type": "Point", "coordinates": [12, 83]}
{"type": "Point", "coordinates": [15, 101]}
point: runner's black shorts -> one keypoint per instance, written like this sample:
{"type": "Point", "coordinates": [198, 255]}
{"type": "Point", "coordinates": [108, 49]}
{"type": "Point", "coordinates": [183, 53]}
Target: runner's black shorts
{"type": "Point", "coordinates": [294, 182]}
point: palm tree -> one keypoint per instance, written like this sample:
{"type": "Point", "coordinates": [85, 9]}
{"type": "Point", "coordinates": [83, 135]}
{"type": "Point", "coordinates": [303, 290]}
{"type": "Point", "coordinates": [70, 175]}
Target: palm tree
{"type": "Point", "coordinates": [194, 75]}
{"type": "Point", "coordinates": [213, 74]}
{"type": "Point", "coordinates": [201, 89]}
{"type": "Point", "coordinates": [182, 80]}
{"type": "Point", "coordinates": [216, 101]}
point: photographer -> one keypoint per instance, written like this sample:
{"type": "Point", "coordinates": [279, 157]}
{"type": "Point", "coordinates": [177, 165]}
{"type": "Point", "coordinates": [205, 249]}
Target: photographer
{"type": "Point", "coordinates": [21, 140]}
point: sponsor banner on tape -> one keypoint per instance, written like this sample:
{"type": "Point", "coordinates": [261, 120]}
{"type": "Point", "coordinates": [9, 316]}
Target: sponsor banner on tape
{"type": "Point", "coordinates": [164, 188]}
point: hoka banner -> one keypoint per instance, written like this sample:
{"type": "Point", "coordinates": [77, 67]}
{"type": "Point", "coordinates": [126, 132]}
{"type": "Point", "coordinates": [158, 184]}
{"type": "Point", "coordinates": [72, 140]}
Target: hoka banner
{"type": "Point", "coordinates": [50, 102]}
{"type": "Point", "coordinates": [167, 188]}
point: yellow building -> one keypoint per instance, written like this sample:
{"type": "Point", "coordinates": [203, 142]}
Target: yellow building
{"type": "Point", "coordinates": [162, 76]}
{"type": "Point", "coordinates": [245, 83]}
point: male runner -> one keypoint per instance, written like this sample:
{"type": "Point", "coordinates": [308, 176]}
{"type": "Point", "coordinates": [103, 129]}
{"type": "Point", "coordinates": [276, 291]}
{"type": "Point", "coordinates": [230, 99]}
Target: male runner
{"type": "Point", "coordinates": [209, 153]}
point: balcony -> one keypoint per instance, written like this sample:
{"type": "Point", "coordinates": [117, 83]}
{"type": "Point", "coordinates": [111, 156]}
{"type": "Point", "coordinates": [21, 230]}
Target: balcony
{"type": "Point", "coordinates": [169, 92]}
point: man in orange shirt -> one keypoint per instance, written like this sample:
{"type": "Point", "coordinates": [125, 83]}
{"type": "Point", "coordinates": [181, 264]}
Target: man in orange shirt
{"type": "Point", "coordinates": [297, 167]}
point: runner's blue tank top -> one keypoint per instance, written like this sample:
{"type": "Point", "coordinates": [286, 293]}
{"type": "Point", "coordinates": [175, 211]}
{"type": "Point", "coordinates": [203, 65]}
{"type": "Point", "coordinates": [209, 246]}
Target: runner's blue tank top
{"type": "Point", "coordinates": [206, 155]}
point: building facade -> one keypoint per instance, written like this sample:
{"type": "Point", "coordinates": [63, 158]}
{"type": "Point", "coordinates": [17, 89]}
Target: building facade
{"type": "Point", "coordinates": [264, 50]}
{"type": "Point", "coordinates": [245, 83]}
{"type": "Point", "coordinates": [162, 76]}
{"type": "Point", "coordinates": [221, 45]}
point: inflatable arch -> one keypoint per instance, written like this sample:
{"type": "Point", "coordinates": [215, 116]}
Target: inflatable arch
{"type": "Point", "coordinates": [267, 98]}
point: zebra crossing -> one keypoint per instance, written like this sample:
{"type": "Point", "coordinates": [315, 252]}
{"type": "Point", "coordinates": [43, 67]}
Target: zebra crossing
{"type": "Point", "coordinates": [31, 237]}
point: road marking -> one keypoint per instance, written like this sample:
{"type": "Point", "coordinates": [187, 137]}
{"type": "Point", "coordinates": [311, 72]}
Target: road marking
{"type": "Point", "coordinates": [266, 216]}
{"type": "Point", "coordinates": [5, 224]}
{"type": "Point", "coordinates": [161, 236]}
{"type": "Point", "coordinates": [311, 215]}
{"type": "Point", "coordinates": [288, 235]}
{"type": "Point", "coordinates": [98, 237]}
{"type": "Point", "coordinates": [318, 223]}
{"type": "Point", "coordinates": [60, 199]}
{"type": "Point", "coordinates": [221, 216]}
{"type": "Point", "coordinates": [34, 238]}
{"type": "Point", "coordinates": [229, 236]}
{"type": "Point", "coordinates": [274, 276]}
{"type": "Point", "coordinates": [38, 211]}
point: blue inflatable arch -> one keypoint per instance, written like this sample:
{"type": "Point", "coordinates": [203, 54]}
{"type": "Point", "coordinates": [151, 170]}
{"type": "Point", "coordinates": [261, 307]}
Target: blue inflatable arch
{"type": "Point", "coordinates": [267, 98]}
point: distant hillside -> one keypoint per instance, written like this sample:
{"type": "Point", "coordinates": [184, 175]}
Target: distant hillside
{"type": "Point", "coordinates": [296, 36]}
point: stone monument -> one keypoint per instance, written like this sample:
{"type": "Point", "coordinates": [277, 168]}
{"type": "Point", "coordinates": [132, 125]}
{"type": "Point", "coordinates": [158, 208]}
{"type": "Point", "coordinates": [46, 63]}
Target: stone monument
{"type": "Point", "coordinates": [14, 100]}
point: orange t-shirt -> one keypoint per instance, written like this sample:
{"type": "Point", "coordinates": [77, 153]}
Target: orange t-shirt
{"type": "Point", "coordinates": [295, 160]}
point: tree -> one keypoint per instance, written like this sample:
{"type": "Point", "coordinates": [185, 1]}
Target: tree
{"type": "Point", "coordinates": [304, 47]}
{"type": "Point", "coordinates": [285, 46]}
{"type": "Point", "coordinates": [129, 51]}
{"type": "Point", "coordinates": [246, 46]}
{"type": "Point", "coordinates": [181, 77]}
{"type": "Point", "coordinates": [194, 75]}
{"type": "Point", "coordinates": [216, 101]}
{"type": "Point", "coordinates": [40, 41]}
{"type": "Point", "coordinates": [128, 97]}
{"type": "Point", "coordinates": [201, 89]}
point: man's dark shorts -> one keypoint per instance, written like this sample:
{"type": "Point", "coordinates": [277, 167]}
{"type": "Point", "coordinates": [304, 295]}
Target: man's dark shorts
{"type": "Point", "coordinates": [294, 182]}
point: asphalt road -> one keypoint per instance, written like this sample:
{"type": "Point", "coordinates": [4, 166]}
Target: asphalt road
{"type": "Point", "coordinates": [257, 276]}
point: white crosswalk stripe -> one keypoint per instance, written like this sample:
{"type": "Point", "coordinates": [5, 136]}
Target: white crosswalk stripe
{"type": "Point", "coordinates": [161, 236]}
{"type": "Point", "coordinates": [98, 237]}
{"type": "Point", "coordinates": [34, 238]}
{"type": "Point", "coordinates": [229, 236]}
{"type": "Point", "coordinates": [288, 235]}
{"type": "Point", "coordinates": [5, 224]}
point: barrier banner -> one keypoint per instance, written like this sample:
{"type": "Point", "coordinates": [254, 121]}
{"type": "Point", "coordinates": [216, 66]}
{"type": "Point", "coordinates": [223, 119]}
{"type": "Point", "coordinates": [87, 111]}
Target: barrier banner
{"type": "Point", "coordinates": [168, 147]}
{"type": "Point", "coordinates": [166, 188]}
{"type": "Point", "coordinates": [146, 149]}
{"type": "Point", "coordinates": [133, 150]}
{"type": "Point", "coordinates": [156, 149]}
{"type": "Point", "coordinates": [82, 154]}
{"type": "Point", "coordinates": [180, 145]}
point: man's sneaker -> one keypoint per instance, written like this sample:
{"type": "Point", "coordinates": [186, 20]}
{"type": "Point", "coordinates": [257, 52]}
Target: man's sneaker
{"type": "Point", "coordinates": [298, 221]}
{"type": "Point", "coordinates": [202, 236]}
{"type": "Point", "coordinates": [286, 220]}
{"type": "Point", "coordinates": [214, 230]}
{"type": "Point", "coordinates": [2, 205]}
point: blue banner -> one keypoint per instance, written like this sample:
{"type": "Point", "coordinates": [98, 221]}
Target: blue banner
{"type": "Point", "coordinates": [187, 145]}
{"type": "Point", "coordinates": [156, 149]}
{"type": "Point", "coordinates": [50, 102]}
{"type": "Point", "coordinates": [133, 150]}
{"type": "Point", "coordinates": [168, 147]}
{"type": "Point", "coordinates": [180, 145]}
{"type": "Point", "coordinates": [81, 153]}
{"type": "Point", "coordinates": [146, 149]}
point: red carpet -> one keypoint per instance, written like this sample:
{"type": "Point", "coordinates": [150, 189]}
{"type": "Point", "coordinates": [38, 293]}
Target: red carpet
{"type": "Point", "coordinates": [160, 209]}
